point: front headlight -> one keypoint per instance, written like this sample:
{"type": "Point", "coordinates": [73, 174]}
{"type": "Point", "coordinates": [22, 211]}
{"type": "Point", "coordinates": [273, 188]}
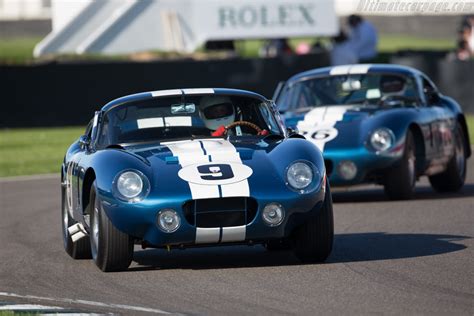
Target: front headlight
{"type": "Point", "coordinates": [131, 185]}
{"type": "Point", "coordinates": [382, 139]}
{"type": "Point", "coordinates": [299, 175]}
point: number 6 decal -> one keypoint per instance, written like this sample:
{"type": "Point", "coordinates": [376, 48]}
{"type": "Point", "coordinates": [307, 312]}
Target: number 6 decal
{"type": "Point", "coordinates": [217, 173]}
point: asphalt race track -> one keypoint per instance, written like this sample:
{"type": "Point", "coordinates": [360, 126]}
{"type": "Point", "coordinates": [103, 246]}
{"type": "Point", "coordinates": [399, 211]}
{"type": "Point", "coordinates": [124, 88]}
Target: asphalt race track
{"type": "Point", "coordinates": [414, 257]}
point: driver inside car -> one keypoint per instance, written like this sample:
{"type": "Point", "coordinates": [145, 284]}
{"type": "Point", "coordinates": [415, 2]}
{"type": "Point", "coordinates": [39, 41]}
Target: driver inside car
{"type": "Point", "coordinates": [218, 112]}
{"type": "Point", "coordinates": [392, 86]}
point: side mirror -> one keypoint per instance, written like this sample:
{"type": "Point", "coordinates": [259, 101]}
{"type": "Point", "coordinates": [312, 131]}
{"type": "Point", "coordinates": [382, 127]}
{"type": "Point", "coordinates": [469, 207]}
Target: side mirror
{"type": "Point", "coordinates": [84, 141]}
{"type": "Point", "coordinates": [293, 133]}
{"type": "Point", "coordinates": [291, 130]}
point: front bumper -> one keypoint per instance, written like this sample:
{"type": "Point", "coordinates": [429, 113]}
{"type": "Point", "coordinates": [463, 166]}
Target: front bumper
{"type": "Point", "coordinates": [140, 220]}
{"type": "Point", "coordinates": [366, 161]}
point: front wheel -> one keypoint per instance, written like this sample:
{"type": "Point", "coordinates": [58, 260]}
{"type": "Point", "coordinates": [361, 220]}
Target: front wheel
{"type": "Point", "coordinates": [312, 242]}
{"type": "Point", "coordinates": [400, 180]}
{"type": "Point", "coordinates": [452, 179]}
{"type": "Point", "coordinates": [111, 249]}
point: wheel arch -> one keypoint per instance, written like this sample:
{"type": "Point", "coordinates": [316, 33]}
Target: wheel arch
{"type": "Point", "coordinates": [89, 178]}
{"type": "Point", "coordinates": [467, 143]}
{"type": "Point", "coordinates": [415, 129]}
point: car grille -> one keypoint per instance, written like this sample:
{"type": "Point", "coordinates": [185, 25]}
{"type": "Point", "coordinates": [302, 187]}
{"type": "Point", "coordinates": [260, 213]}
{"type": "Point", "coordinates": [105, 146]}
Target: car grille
{"type": "Point", "coordinates": [222, 212]}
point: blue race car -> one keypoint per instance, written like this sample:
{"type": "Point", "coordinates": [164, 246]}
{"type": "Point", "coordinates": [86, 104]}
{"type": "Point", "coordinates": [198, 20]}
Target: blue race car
{"type": "Point", "coordinates": [383, 124]}
{"type": "Point", "coordinates": [180, 168]}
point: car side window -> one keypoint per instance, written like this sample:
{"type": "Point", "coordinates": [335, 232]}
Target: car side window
{"type": "Point", "coordinates": [88, 131]}
{"type": "Point", "coordinates": [268, 118]}
{"type": "Point", "coordinates": [430, 91]}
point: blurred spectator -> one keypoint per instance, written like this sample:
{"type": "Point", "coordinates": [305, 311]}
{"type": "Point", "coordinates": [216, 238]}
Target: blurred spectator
{"type": "Point", "coordinates": [463, 51]}
{"type": "Point", "coordinates": [342, 52]}
{"type": "Point", "coordinates": [465, 40]}
{"type": "Point", "coordinates": [471, 40]}
{"type": "Point", "coordinates": [468, 32]}
{"type": "Point", "coordinates": [318, 47]}
{"type": "Point", "coordinates": [363, 38]}
{"type": "Point", "coordinates": [276, 47]}
{"type": "Point", "coordinates": [303, 48]}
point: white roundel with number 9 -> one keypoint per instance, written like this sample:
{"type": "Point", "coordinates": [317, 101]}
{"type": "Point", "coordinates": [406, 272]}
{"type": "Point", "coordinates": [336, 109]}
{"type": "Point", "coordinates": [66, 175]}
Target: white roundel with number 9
{"type": "Point", "coordinates": [215, 173]}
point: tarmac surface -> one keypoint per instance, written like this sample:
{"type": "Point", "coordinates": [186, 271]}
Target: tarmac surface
{"type": "Point", "coordinates": [390, 257]}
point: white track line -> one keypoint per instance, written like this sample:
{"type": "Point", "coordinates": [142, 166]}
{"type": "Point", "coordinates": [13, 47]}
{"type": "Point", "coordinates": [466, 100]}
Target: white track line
{"type": "Point", "coordinates": [89, 303]}
{"type": "Point", "coordinates": [32, 177]}
{"type": "Point", "coordinates": [26, 307]}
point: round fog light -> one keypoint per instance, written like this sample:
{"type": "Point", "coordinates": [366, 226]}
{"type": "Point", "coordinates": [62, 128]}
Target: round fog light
{"type": "Point", "coordinates": [347, 170]}
{"type": "Point", "coordinates": [168, 220]}
{"type": "Point", "coordinates": [273, 214]}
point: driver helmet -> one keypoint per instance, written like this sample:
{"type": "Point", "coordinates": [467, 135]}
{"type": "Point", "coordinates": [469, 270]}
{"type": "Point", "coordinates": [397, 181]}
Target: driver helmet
{"type": "Point", "coordinates": [392, 85]}
{"type": "Point", "coordinates": [216, 111]}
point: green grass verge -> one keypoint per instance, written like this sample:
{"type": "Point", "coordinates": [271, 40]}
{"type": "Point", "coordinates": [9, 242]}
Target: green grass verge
{"type": "Point", "coordinates": [393, 43]}
{"type": "Point", "coordinates": [41, 150]}
{"type": "Point", "coordinates": [20, 50]}
{"type": "Point", "coordinates": [35, 150]}
{"type": "Point", "coordinates": [17, 50]}
{"type": "Point", "coordinates": [19, 312]}
{"type": "Point", "coordinates": [470, 126]}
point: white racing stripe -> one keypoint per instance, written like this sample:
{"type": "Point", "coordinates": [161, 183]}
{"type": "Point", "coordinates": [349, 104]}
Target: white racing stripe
{"type": "Point", "coordinates": [205, 152]}
{"type": "Point", "coordinates": [198, 91]}
{"type": "Point", "coordinates": [207, 235]}
{"type": "Point", "coordinates": [350, 69]}
{"type": "Point", "coordinates": [192, 153]}
{"type": "Point", "coordinates": [236, 233]}
{"type": "Point", "coordinates": [359, 69]}
{"type": "Point", "coordinates": [164, 121]}
{"type": "Point", "coordinates": [339, 70]}
{"type": "Point", "coordinates": [318, 124]}
{"type": "Point", "coordinates": [164, 93]}
{"type": "Point", "coordinates": [88, 303]}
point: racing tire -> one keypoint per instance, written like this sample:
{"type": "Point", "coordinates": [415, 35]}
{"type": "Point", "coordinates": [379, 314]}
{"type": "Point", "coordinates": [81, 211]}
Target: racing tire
{"type": "Point", "coordinates": [452, 179]}
{"type": "Point", "coordinates": [80, 249]}
{"type": "Point", "coordinates": [111, 249]}
{"type": "Point", "coordinates": [401, 179]}
{"type": "Point", "coordinates": [278, 245]}
{"type": "Point", "coordinates": [312, 242]}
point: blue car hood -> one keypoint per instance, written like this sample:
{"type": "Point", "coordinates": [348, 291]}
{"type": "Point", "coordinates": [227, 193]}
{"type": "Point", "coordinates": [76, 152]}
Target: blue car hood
{"type": "Point", "coordinates": [168, 160]}
{"type": "Point", "coordinates": [169, 153]}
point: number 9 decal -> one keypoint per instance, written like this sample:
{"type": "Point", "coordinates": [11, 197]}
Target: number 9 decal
{"type": "Point", "coordinates": [215, 173]}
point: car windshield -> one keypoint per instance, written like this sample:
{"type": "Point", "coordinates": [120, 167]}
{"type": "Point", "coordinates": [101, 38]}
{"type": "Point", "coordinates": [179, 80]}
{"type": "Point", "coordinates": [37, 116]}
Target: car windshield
{"type": "Point", "coordinates": [168, 118]}
{"type": "Point", "coordinates": [366, 89]}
